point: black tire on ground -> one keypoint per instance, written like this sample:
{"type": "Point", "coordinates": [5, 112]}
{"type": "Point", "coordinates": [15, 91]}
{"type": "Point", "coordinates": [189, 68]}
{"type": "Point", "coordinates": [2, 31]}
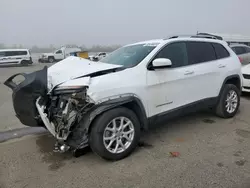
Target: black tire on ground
{"type": "Point", "coordinates": [51, 60]}
{"type": "Point", "coordinates": [24, 63]}
{"type": "Point", "coordinates": [220, 109]}
{"type": "Point", "coordinates": [97, 132]}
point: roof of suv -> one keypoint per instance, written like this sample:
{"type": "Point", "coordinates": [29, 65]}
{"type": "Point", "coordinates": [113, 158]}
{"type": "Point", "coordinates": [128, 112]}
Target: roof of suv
{"type": "Point", "coordinates": [185, 38]}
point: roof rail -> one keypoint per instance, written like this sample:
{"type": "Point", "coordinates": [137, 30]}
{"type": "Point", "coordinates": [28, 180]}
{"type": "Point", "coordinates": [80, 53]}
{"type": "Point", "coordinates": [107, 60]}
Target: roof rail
{"type": "Point", "coordinates": [198, 35]}
{"type": "Point", "coordinates": [210, 35]}
{"type": "Point", "coordinates": [177, 36]}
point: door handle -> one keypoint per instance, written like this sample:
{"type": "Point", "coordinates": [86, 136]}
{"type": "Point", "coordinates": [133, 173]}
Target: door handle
{"type": "Point", "coordinates": [189, 72]}
{"type": "Point", "coordinates": [221, 66]}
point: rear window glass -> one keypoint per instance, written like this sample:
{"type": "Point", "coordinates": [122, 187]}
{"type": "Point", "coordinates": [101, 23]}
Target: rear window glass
{"type": "Point", "coordinates": [239, 50]}
{"type": "Point", "coordinates": [199, 52]}
{"type": "Point", "coordinates": [247, 50]}
{"type": "Point", "coordinates": [220, 51]}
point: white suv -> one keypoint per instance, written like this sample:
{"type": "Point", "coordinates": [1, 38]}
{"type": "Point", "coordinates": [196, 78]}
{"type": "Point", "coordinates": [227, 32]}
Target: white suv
{"type": "Point", "coordinates": [107, 104]}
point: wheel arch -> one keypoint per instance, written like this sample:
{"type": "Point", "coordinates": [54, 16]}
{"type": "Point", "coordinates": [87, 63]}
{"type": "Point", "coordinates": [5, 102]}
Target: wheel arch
{"type": "Point", "coordinates": [131, 102]}
{"type": "Point", "coordinates": [51, 57]}
{"type": "Point", "coordinates": [232, 79]}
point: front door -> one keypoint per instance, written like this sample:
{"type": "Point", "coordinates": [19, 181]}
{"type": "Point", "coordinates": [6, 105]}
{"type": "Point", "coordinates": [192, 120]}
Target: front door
{"type": "Point", "coordinates": [170, 88]}
{"type": "Point", "coordinates": [59, 55]}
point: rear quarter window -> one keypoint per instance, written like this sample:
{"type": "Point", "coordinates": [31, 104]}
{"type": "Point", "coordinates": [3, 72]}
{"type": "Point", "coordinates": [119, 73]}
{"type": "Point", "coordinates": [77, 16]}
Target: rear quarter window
{"type": "Point", "coordinates": [247, 49]}
{"type": "Point", "coordinates": [200, 52]}
{"type": "Point", "coordinates": [220, 50]}
{"type": "Point", "coordinates": [22, 53]}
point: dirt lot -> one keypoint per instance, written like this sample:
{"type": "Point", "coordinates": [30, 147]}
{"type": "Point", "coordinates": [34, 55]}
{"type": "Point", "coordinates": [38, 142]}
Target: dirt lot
{"type": "Point", "coordinates": [214, 153]}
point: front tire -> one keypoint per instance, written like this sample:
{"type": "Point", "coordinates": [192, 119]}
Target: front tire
{"type": "Point", "coordinates": [115, 134]}
{"type": "Point", "coordinates": [229, 101]}
{"type": "Point", "coordinates": [51, 60]}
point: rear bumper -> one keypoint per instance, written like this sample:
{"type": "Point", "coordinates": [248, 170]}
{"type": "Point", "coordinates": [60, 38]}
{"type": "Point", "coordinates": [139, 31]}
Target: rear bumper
{"type": "Point", "coordinates": [25, 94]}
{"type": "Point", "coordinates": [246, 85]}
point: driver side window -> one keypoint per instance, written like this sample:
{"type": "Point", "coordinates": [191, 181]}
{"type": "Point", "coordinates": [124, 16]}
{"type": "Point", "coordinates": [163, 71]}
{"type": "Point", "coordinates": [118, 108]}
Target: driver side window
{"type": "Point", "coordinates": [176, 52]}
{"type": "Point", "coordinates": [59, 52]}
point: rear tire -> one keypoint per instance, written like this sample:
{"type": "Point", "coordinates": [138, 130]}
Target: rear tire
{"type": "Point", "coordinates": [115, 143]}
{"type": "Point", "coordinates": [229, 101]}
{"type": "Point", "coordinates": [24, 63]}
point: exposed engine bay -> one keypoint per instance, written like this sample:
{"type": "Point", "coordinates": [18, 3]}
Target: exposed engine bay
{"type": "Point", "coordinates": [64, 110]}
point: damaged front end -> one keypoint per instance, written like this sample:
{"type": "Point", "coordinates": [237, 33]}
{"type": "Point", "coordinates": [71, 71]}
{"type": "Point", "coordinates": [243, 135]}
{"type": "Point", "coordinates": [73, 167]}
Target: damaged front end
{"type": "Point", "coordinates": [60, 110]}
{"type": "Point", "coordinates": [57, 98]}
{"type": "Point", "coordinates": [62, 114]}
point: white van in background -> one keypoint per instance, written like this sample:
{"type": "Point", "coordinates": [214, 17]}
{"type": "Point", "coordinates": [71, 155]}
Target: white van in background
{"type": "Point", "coordinates": [15, 56]}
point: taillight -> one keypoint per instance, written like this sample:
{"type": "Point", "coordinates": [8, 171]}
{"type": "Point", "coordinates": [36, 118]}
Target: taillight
{"type": "Point", "coordinates": [241, 60]}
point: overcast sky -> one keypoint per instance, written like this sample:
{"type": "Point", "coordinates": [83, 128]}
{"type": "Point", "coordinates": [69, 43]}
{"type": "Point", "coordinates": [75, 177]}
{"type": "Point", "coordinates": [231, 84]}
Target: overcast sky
{"type": "Point", "coordinates": [106, 22]}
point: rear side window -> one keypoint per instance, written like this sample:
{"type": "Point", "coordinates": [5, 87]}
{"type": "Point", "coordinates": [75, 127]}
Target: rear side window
{"type": "Point", "coordinates": [239, 50]}
{"type": "Point", "coordinates": [199, 52]}
{"type": "Point", "coordinates": [22, 52]}
{"type": "Point", "coordinates": [59, 52]}
{"type": "Point", "coordinates": [221, 51]}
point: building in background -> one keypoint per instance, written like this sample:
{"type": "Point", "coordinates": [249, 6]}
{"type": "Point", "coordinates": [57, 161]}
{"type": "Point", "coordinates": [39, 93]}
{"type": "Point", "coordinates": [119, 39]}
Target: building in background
{"type": "Point", "coordinates": [234, 38]}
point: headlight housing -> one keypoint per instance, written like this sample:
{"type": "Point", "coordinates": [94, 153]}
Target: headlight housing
{"type": "Point", "coordinates": [69, 89]}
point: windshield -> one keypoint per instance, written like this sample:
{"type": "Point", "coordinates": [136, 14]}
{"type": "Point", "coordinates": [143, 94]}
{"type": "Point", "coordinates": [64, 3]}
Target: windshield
{"type": "Point", "coordinates": [129, 56]}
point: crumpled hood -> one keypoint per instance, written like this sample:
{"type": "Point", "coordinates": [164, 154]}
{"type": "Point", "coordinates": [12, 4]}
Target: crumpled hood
{"type": "Point", "coordinates": [245, 69]}
{"type": "Point", "coordinates": [73, 67]}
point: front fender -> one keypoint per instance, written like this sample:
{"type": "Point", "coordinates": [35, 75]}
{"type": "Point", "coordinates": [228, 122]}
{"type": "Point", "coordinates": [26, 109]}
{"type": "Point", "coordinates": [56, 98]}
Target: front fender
{"type": "Point", "coordinates": [110, 104]}
{"type": "Point", "coordinates": [79, 137]}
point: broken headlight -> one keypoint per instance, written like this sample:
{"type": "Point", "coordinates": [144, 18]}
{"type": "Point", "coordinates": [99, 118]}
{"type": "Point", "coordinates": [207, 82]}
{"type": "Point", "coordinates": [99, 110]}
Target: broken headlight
{"type": "Point", "coordinates": [68, 89]}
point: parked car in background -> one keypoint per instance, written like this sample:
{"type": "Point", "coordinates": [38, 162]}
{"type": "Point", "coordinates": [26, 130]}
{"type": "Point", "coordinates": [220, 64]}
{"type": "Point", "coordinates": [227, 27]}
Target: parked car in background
{"type": "Point", "coordinates": [246, 78]}
{"type": "Point", "coordinates": [58, 55]}
{"type": "Point", "coordinates": [15, 56]}
{"type": "Point", "coordinates": [106, 104]}
{"type": "Point", "coordinates": [98, 56]}
{"type": "Point", "coordinates": [243, 52]}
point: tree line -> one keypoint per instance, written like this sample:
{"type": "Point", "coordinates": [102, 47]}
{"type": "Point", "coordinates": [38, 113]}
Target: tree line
{"type": "Point", "coordinates": [51, 48]}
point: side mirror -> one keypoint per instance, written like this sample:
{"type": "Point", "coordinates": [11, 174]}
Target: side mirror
{"type": "Point", "coordinates": [161, 63]}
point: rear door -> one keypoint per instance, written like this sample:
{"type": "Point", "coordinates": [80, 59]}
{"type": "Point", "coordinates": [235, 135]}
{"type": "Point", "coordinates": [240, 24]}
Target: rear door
{"type": "Point", "coordinates": [223, 64]}
{"type": "Point", "coordinates": [203, 62]}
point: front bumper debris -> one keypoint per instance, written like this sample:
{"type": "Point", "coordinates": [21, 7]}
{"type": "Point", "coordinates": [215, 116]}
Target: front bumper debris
{"type": "Point", "coordinates": [25, 94]}
{"type": "Point", "coordinates": [43, 116]}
